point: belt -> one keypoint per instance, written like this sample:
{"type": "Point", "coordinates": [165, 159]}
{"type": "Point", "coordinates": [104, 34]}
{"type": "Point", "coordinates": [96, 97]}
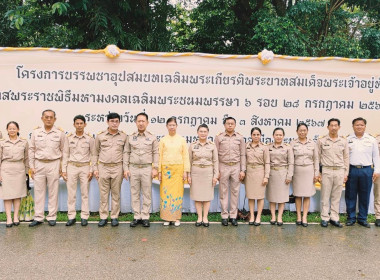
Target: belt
{"type": "Point", "coordinates": [8, 160]}
{"type": "Point", "coordinates": [278, 167]}
{"type": "Point", "coordinates": [230, 163]}
{"type": "Point", "coordinates": [79, 164]}
{"type": "Point", "coordinates": [255, 165]}
{"type": "Point", "coordinates": [47, 160]}
{"type": "Point", "coordinates": [203, 165]}
{"type": "Point", "coordinates": [360, 166]}
{"type": "Point", "coordinates": [333, 167]}
{"type": "Point", "coordinates": [141, 165]}
{"type": "Point", "coordinates": [110, 164]}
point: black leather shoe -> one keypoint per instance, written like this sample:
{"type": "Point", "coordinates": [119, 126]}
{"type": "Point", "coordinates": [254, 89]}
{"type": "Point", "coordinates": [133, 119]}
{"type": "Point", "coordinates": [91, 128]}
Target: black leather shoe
{"type": "Point", "coordinates": [336, 223]}
{"type": "Point", "coordinates": [298, 223]}
{"type": "Point", "coordinates": [70, 222]}
{"type": "Point", "coordinates": [198, 224]}
{"type": "Point", "coordinates": [304, 224]}
{"type": "Point", "coordinates": [206, 224]}
{"type": "Point", "coordinates": [83, 222]}
{"type": "Point", "coordinates": [234, 222]}
{"type": "Point", "coordinates": [272, 223]}
{"type": "Point", "coordinates": [35, 223]}
{"type": "Point", "coordinates": [134, 223]}
{"type": "Point", "coordinates": [364, 224]}
{"type": "Point", "coordinates": [350, 223]}
{"type": "Point", "coordinates": [102, 223]}
{"type": "Point", "coordinates": [377, 223]}
{"type": "Point", "coordinates": [256, 224]}
{"type": "Point", "coordinates": [114, 222]}
{"type": "Point", "coordinates": [280, 223]}
{"type": "Point", "coordinates": [225, 222]}
{"type": "Point", "coordinates": [52, 223]}
{"type": "Point", "coordinates": [145, 223]}
{"type": "Point", "coordinates": [251, 223]}
{"type": "Point", "coordinates": [324, 223]}
{"type": "Point", "coordinates": [9, 225]}
{"type": "Point", "coordinates": [16, 224]}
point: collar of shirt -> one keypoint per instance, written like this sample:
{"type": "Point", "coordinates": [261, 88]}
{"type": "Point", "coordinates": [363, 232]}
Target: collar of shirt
{"type": "Point", "coordinates": [202, 144]}
{"type": "Point", "coordinates": [281, 146]}
{"type": "Point", "coordinates": [7, 139]}
{"type": "Point", "coordinates": [226, 134]}
{"type": "Point", "coordinates": [254, 146]}
{"type": "Point", "coordinates": [338, 139]}
{"type": "Point", "coordinates": [299, 141]}
{"type": "Point", "coordinates": [365, 136]}
{"type": "Point", "coordinates": [79, 137]}
{"type": "Point", "coordinates": [118, 132]}
{"type": "Point", "coordinates": [53, 130]}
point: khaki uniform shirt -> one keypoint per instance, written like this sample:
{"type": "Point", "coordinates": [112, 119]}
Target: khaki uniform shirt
{"type": "Point", "coordinates": [306, 154]}
{"type": "Point", "coordinates": [204, 154]}
{"type": "Point", "coordinates": [258, 155]}
{"type": "Point", "coordinates": [109, 148]}
{"type": "Point", "coordinates": [231, 148]}
{"type": "Point", "coordinates": [334, 153]}
{"type": "Point", "coordinates": [282, 156]}
{"type": "Point", "coordinates": [79, 149]}
{"type": "Point", "coordinates": [14, 151]}
{"type": "Point", "coordinates": [46, 145]}
{"type": "Point", "coordinates": [1, 135]}
{"type": "Point", "coordinates": [141, 149]}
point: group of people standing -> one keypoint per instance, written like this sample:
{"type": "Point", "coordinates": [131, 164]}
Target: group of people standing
{"type": "Point", "coordinates": [265, 170]}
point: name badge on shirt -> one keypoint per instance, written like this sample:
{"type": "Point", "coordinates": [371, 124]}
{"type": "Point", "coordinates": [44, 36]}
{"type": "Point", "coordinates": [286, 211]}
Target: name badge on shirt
{"type": "Point", "coordinates": [147, 139]}
{"type": "Point", "coordinates": [134, 138]}
{"type": "Point", "coordinates": [350, 141]}
{"type": "Point", "coordinates": [196, 147]}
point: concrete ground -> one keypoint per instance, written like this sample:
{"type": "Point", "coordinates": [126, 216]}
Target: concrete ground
{"type": "Point", "coordinates": [187, 252]}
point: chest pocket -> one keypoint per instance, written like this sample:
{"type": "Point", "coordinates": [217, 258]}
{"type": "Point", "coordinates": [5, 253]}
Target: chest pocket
{"type": "Point", "coordinates": [54, 142]}
{"type": "Point", "coordinates": [85, 144]}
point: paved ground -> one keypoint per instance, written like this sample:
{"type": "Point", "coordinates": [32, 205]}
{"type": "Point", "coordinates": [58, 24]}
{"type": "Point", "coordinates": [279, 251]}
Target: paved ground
{"type": "Point", "coordinates": [187, 252]}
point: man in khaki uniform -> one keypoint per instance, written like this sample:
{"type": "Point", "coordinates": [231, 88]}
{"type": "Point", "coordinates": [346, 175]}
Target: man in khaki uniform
{"type": "Point", "coordinates": [109, 149]}
{"type": "Point", "coordinates": [232, 168]}
{"type": "Point", "coordinates": [45, 153]}
{"type": "Point", "coordinates": [77, 163]}
{"type": "Point", "coordinates": [334, 158]}
{"type": "Point", "coordinates": [1, 135]}
{"type": "Point", "coordinates": [376, 192]}
{"type": "Point", "coordinates": [141, 165]}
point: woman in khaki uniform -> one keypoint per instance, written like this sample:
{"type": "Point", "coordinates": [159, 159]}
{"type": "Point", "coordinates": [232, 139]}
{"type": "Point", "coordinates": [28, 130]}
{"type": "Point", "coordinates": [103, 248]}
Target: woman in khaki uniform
{"type": "Point", "coordinates": [256, 179]}
{"type": "Point", "coordinates": [281, 173]}
{"type": "Point", "coordinates": [204, 173]}
{"type": "Point", "coordinates": [306, 171]}
{"type": "Point", "coordinates": [14, 165]}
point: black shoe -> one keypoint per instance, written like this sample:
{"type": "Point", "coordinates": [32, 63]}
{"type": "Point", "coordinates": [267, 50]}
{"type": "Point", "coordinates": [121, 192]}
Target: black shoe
{"type": "Point", "coordinates": [336, 223]}
{"type": "Point", "coordinates": [16, 224]}
{"type": "Point", "coordinates": [102, 223]}
{"type": "Point", "coordinates": [324, 223]}
{"type": "Point", "coordinates": [272, 223]}
{"type": "Point", "coordinates": [304, 224]}
{"type": "Point", "coordinates": [134, 223]}
{"type": "Point", "coordinates": [206, 224]}
{"type": "Point", "coordinates": [280, 223]}
{"type": "Point", "coordinates": [145, 223]}
{"type": "Point", "coordinates": [350, 223]}
{"type": "Point", "coordinates": [35, 223]}
{"type": "Point", "coordinates": [114, 222]}
{"type": "Point", "coordinates": [70, 222]}
{"type": "Point", "coordinates": [52, 223]}
{"type": "Point", "coordinates": [234, 222]}
{"type": "Point", "coordinates": [251, 223]}
{"type": "Point", "coordinates": [9, 225]}
{"type": "Point", "coordinates": [298, 223]}
{"type": "Point", "coordinates": [364, 224]}
{"type": "Point", "coordinates": [198, 224]}
{"type": "Point", "coordinates": [225, 222]}
{"type": "Point", "coordinates": [256, 224]}
{"type": "Point", "coordinates": [83, 222]}
{"type": "Point", "coordinates": [377, 223]}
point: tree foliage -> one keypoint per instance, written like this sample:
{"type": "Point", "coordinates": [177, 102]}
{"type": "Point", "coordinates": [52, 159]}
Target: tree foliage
{"type": "Point", "coordinates": [348, 28]}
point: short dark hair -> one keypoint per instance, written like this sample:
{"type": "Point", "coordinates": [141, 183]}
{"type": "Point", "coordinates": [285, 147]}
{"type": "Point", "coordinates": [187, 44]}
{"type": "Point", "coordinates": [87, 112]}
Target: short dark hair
{"type": "Point", "coordinates": [359, 119]}
{"type": "Point", "coordinates": [16, 124]}
{"type": "Point", "coordinates": [278, 128]}
{"type": "Point", "coordinates": [204, 126]}
{"type": "Point", "coordinates": [142, 114]}
{"type": "Point", "coordinates": [229, 118]}
{"type": "Point", "coordinates": [333, 120]}
{"type": "Point", "coordinates": [111, 116]}
{"type": "Point", "coordinates": [302, 124]}
{"type": "Point", "coordinates": [47, 110]}
{"type": "Point", "coordinates": [255, 128]}
{"type": "Point", "coordinates": [171, 119]}
{"type": "Point", "coordinates": [80, 117]}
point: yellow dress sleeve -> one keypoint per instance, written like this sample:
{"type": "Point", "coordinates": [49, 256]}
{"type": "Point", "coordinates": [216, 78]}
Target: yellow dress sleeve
{"type": "Point", "coordinates": [160, 150]}
{"type": "Point", "coordinates": [185, 156]}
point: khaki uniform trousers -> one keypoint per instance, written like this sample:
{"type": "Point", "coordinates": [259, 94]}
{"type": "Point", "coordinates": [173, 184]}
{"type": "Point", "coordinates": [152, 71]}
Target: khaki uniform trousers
{"type": "Point", "coordinates": [110, 179]}
{"type": "Point", "coordinates": [376, 192]}
{"type": "Point", "coordinates": [229, 180]}
{"type": "Point", "coordinates": [141, 181]}
{"type": "Point", "coordinates": [47, 173]}
{"type": "Point", "coordinates": [331, 189]}
{"type": "Point", "coordinates": [73, 174]}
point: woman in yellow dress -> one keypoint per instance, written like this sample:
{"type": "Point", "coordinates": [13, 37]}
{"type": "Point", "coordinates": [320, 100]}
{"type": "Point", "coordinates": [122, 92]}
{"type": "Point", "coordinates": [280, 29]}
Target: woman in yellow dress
{"type": "Point", "coordinates": [173, 169]}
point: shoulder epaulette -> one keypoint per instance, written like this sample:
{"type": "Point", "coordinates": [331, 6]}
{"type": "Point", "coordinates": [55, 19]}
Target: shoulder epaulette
{"type": "Point", "coordinates": [2, 139]}
{"type": "Point", "coordinates": [68, 135]}
{"type": "Point", "coordinates": [322, 136]}
{"type": "Point", "coordinates": [122, 131]}
{"type": "Point", "coordinates": [61, 129]}
{"type": "Point", "coordinates": [286, 144]}
{"type": "Point", "coordinates": [210, 142]}
{"type": "Point", "coordinates": [220, 133]}
{"type": "Point", "coordinates": [22, 138]}
{"type": "Point", "coordinates": [344, 137]}
{"type": "Point", "coordinates": [89, 134]}
{"type": "Point", "coordinates": [238, 133]}
{"type": "Point", "coordinates": [37, 127]}
{"type": "Point", "coordinates": [100, 132]}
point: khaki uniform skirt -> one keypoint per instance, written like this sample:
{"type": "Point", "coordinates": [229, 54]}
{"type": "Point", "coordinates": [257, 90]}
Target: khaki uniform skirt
{"type": "Point", "coordinates": [13, 184]}
{"type": "Point", "coordinates": [253, 182]}
{"type": "Point", "coordinates": [303, 180]}
{"type": "Point", "coordinates": [201, 188]}
{"type": "Point", "coordinates": [277, 191]}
